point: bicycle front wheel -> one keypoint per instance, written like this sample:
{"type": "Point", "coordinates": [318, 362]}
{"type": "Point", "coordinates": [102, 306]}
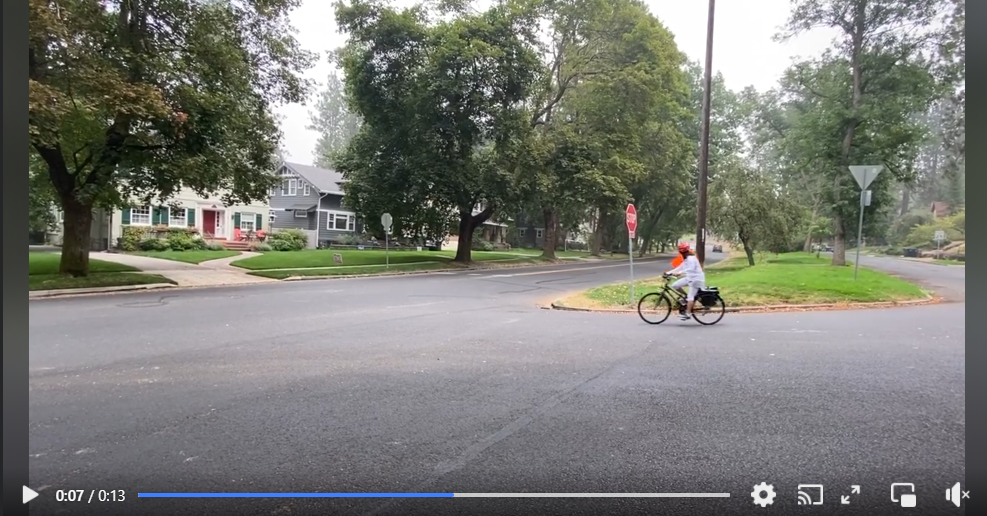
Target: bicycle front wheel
{"type": "Point", "coordinates": [654, 308]}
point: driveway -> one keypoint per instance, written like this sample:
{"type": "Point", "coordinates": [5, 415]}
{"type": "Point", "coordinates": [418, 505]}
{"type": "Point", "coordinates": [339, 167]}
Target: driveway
{"type": "Point", "coordinates": [948, 281]}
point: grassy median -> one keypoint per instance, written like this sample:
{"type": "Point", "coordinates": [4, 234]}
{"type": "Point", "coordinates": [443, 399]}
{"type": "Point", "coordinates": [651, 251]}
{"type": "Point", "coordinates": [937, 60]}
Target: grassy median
{"type": "Point", "coordinates": [787, 279]}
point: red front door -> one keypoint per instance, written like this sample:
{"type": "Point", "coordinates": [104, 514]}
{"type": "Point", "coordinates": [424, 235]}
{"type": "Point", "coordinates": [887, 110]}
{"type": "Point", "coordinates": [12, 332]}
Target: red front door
{"type": "Point", "coordinates": [209, 221]}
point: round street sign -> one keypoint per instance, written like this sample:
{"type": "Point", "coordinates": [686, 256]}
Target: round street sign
{"type": "Point", "coordinates": [631, 217]}
{"type": "Point", "coordinates": [386, 220]}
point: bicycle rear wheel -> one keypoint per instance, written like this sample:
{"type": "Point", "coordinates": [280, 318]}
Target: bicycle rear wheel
{"type": "Point", "coordinates": [709, 315]}
{"type": "Point", "coordinates": [656, 305]}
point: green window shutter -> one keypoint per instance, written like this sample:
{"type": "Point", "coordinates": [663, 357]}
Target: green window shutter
{"type": "Point", "coordinates": [125, 216]}
{"type": "Point", "coordinates": [155, 216]}
{"type": "Point", "coordinates": [236, 219]}
{"type": "Point", "coordinates": [190, 217]}
{"type": "Point", "coordinates": [260, 222]}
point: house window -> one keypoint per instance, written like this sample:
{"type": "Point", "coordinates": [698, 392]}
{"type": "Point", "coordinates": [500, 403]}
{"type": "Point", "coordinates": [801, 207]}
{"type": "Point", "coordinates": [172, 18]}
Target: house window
{"type": "Point", "coordinates": [289, 187]}
{"type": "Point", "coordinates": [140, 216]}
{"type": "Point", "coordinates": [301, 214]}
{"type": "Point", "coordinates": [539, 233]}
{"type": "Point", "coordinates": [247, 221]}
{"type": "Point", "coordinates": [271, 216]}
{"type": "Point", "coordinates": [308, 189]}
{"type": "Point", "coordinates": [521, 232]}
{"type": "Point", "coordinates": [177, 217]}
{"type": "Point", "coordinates": [341, 221]}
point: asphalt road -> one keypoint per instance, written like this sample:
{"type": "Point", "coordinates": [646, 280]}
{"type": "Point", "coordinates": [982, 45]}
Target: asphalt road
{"type": "Point", "coordinates": [459, 383]}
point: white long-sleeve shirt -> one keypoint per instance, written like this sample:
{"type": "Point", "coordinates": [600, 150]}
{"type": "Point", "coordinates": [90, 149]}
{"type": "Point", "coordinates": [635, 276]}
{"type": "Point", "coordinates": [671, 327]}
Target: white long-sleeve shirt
{"type": "Point", "coordinates": [692, 269]}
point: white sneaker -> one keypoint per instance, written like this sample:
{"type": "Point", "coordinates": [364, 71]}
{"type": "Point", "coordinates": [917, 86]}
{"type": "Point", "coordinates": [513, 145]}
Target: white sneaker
{"type": "Point", "coordinates": [685, 317]}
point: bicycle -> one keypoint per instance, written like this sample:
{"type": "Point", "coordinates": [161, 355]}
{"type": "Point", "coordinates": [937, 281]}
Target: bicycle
{"type": "Point", "coordinates": [708, 303]}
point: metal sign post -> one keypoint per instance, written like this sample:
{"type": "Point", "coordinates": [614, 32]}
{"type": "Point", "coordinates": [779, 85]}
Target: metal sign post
{"type": "Point", "coordinates": [864, 174]}
{"type": "Point", "coordinates": [631, 219]}
{"type": "Point", "coordinates": [940, 236]}
{"type": "Point", "coordinates": [386, 221]}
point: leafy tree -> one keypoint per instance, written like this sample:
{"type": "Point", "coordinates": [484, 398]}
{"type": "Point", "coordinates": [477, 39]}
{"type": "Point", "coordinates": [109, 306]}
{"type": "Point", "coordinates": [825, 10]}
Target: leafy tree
{"type": "Point", "coordinates": [41, 203]}
{"type": "Point", "coordinates": [610, 70]}
{"type": "Point", "coordinates": [442, 105]}
{"type": "Point", "coordinates": [859, 98]}
{"type": "Point", "coordinates": [140, 98]}
{"type": "Point", "coordinates": [746, 208]}
{"type": "Point", "coordinates": [333, 120]}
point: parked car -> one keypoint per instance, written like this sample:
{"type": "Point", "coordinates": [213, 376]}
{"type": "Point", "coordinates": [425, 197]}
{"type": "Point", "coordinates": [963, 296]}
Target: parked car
{"type": "Point", "coordinates": [717, 248]}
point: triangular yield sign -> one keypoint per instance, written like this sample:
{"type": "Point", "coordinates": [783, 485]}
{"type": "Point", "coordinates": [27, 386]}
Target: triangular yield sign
{"type": "Point", "coordinates": [864, 174]}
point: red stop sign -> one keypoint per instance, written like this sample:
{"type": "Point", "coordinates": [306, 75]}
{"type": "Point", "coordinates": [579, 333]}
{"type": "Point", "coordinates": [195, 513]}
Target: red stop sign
{"type": "Point", "coordinates": [631, 216]}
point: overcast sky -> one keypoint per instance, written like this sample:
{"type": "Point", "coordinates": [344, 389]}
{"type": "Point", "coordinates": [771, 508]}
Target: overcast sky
{"type": "Point", "coordinates": [743, 49]}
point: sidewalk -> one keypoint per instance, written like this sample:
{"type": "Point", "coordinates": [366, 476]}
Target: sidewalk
{"type": "Point", "coordinates": [214, 273]}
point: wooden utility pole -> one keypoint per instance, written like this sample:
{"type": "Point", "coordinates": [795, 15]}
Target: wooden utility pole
{"type": "Point", "coordinates": [704, 140]}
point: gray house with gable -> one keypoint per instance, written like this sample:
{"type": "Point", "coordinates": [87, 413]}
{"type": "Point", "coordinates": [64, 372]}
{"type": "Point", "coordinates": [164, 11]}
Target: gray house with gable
{"type": "Point", "coordinates": [311, 199]}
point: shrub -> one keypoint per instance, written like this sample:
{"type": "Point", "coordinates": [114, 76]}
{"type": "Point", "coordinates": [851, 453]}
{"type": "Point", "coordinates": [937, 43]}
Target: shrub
{"type": "Point", "coordinates": [287, 240]}
{"type": "Point", "coordinates": [260, 247]}
{"type": "Point", "coordinates": [958, 222]}
{"type": "Point", "coordinates": [132, 238]}
{"type": "Point", "coordinates": [154, 244]}
{"type": "Point", "coordinates": [213, 246]}
{"type": "Point", "coordinates": [894, 251]}
{"type": "Point", "coordinates": [480, 244]}
{"type": "Point", "coordinates": [347, 240]}
{"type": "Point", "coordinates": [182, 241]}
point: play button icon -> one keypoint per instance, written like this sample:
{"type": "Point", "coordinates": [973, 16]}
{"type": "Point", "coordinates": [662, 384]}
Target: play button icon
{"type": "Point", "coordinates": [29, 494]}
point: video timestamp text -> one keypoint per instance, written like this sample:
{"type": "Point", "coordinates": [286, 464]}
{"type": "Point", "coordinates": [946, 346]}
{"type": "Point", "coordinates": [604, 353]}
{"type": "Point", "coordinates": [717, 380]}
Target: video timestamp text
{"type": "Point", "coordinates": [90, 496]}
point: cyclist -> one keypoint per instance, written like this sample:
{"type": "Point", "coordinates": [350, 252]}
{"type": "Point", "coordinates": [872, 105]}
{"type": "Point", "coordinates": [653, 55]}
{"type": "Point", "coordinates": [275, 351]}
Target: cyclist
{"type": "Point", "coordinates": [692, 276]}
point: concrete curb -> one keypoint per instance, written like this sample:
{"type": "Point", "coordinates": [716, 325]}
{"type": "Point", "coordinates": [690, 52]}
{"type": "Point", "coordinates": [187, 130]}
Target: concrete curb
{"type": "Point", "coordinates": [44, 294]}
{"type": "Point", "coordinates": [929, 300]}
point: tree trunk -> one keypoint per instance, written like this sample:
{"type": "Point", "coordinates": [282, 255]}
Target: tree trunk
{"type": "Point", "coordinates": [550, 240]}
{"type": "Point", "coordinates": [467, 224]}
{"type": "Point", "coordinates": [748, 251]}
{"type": "Point", "coordinates": [839, 240]}
{"type": "Point", "coordinates": [906, 200]}
{"type": "Point", "coordinates": [596, 241]}
{"type": "Point", "coordinates": [76, 230]}
{"type": "Point", "coordinates": [807, 248]}
{"type": "Point", "coordinates": [857, 37]}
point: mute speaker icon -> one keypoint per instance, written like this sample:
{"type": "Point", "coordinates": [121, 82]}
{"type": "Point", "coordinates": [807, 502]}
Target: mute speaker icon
{"type": "Point", "coordinates": [953, 494]}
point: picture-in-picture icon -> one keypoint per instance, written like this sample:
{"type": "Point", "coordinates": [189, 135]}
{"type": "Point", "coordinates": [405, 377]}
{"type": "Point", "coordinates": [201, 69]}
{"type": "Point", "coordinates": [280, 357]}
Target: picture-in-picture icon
{"type": "Point", "coordinates": [906, 499]}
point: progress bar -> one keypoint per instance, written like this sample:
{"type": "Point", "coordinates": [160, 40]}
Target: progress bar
{"type": "Point", "coordinates": [433, 495]}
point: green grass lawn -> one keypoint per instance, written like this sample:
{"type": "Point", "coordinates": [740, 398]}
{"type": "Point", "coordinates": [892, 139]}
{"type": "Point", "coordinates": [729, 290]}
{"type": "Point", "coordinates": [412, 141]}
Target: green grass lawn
{"type": "Point", "coordinates": [375, 269]}
{"type": "Point", "coordinates": [793, 278]}
{"type": "Point", "coordinates": [324, 258]}
{"type": "Point", "coordinates": [188, 256]}
{"type": "Point", "coordinates": [43, 274]}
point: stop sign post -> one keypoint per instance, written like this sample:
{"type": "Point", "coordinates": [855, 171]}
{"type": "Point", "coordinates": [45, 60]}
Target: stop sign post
{"type": "Point", "coordinates": [630, 216]}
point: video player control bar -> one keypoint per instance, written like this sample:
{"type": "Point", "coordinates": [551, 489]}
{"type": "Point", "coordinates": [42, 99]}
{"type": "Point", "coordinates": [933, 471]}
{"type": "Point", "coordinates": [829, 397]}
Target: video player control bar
{"type": "Point", "coordinates": [433, 495]}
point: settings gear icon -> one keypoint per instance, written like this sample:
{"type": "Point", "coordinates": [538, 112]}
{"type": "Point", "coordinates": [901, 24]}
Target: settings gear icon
{"type": "Point", "coordinates": [763, 494]}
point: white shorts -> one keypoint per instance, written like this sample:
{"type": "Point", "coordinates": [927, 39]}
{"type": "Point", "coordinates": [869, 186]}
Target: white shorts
{"type": "Point", "coordinates": [694, 286]}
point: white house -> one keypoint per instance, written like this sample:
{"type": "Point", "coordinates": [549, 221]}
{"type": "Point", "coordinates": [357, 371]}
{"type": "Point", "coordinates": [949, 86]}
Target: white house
{"type": "Point", "coordinates": [213, 219]}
